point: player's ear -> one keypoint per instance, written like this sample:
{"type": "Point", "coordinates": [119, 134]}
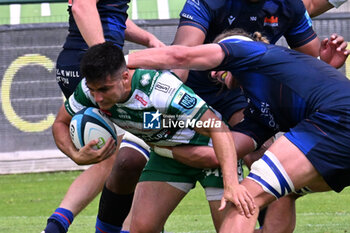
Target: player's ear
{"type": "Point", "coordinates": [126, 77]}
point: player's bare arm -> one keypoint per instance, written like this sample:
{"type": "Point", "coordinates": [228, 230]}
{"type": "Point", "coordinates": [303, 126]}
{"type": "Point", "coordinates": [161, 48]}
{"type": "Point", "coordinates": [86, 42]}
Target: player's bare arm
{"type": "Point", "coordinates": [225, 151]}
{"type": "Point", "coordinates": [88, 20]}
{"type": "Point", "coordinates": [200, 57]}
{"type": "Point", "coordinates": [137, 35]}
{"type": "Point", "coordinates": [86, 155]}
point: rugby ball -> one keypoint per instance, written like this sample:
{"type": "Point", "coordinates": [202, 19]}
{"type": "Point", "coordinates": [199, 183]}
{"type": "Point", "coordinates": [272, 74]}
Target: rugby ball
{"type": "Point", "coordinates": [89, 124]}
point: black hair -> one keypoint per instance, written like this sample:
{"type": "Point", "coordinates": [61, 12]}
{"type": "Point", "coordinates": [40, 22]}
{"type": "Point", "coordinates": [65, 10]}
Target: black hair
{"type": "Point", "coordinates": [102, 60]}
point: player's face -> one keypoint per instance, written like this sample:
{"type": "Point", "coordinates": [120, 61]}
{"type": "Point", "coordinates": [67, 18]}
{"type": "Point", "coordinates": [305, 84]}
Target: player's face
{"type": "Point", "coordinates": [108, 93]}
{"type": "Point", "coordinates": [225, 77]}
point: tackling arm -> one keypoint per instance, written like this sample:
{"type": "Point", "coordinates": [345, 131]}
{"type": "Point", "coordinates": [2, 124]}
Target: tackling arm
{"type": "Point", "coordinates": [181, 38]}
{"type": "Point", "coordinates": [201, 57]}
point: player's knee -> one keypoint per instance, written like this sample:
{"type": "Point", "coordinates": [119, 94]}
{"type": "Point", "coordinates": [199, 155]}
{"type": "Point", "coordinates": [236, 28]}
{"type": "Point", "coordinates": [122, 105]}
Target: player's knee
{"type": "Point", "coordinates": [129, 161]}
{"type": "Point", "coordinates": [126, 171]}
{"type": "Point", "coordinates": [142, 225]}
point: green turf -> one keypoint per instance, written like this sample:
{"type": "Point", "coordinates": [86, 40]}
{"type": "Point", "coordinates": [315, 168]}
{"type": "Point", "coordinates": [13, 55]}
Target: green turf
{"type": "Point", "coordinates": [147, 9]}
{"type": "Point", "coordinates": [175, 8]}
{"type": "Point", "coordinates": [31, 13]}
{"type": "Point", "coordinates": [4, 14]}
{"type": "Point", "coordinates": [27, 200]}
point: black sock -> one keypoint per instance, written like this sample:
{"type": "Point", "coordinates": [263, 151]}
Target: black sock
{"type": "Point", "coordinates": [114, 208]}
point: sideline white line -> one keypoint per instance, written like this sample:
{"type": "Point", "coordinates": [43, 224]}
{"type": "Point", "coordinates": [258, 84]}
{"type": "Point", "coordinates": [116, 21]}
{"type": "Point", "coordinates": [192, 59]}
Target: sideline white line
{"type": "Point", "coordinates": [45, 9]}
{"type": "Point", "coordinates": [15, 13]}
{"type": "Point", "coordinates": [163, 9]}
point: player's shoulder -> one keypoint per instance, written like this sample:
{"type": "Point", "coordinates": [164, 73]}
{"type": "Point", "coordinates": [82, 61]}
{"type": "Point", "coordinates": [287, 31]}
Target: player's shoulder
{"type": "Point", "coordinates": [145, 79]}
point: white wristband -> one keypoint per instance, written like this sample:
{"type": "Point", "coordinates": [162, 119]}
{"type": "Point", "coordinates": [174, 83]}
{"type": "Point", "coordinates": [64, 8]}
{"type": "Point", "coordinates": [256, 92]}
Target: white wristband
{"type": "Point", "coordinates": [126, 58]}
{"type": "Point", "coordinates": [163, 152]}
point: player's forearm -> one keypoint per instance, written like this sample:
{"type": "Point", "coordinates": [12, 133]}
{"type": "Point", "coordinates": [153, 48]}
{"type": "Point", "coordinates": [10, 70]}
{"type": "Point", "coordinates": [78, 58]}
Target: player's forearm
{"type": "Point", "coordinates": [225, 151]}
{"type": "Point", "coordinates": [224, 147]}
{"type": "Point", "coordinates": [88, 20]}
{"type": "Point", "coordinates": [137, 35]}
{"type": "Point", "coordinates": [62, 139]}
{"type": "Point", "coordinates": [157, 58]}
{"type": "Point", "coordinates": [196, 156]}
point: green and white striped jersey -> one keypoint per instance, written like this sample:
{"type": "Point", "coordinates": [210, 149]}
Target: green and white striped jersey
{"type": "Point", "coordinates": [161, 109]}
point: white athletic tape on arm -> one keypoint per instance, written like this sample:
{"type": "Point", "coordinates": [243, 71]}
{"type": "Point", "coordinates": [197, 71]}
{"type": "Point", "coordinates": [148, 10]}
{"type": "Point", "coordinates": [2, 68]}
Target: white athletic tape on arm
{"type": "Point", "coordinates": [164, 152]}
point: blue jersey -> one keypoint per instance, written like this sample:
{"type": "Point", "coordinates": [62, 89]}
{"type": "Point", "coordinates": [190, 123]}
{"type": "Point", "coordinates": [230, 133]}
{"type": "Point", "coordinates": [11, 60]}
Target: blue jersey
{"type": "Point", "coordinates": [296, 93]}
{"type": "Point", "coordinates": [285, 84]}
{"type": "Point", "coordinates": [274, 18]}
{"type": "Point", "coordinates": [113, 16]}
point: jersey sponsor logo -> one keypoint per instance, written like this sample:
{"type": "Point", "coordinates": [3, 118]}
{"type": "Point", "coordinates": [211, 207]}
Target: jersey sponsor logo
{"type": "Point", "coordinates": [145, 79]}
{"type": "Point", "coordinates": [187, 16]}
{"type": "Point", "coordinates": [188, 101]}
{"type": "Point", "coordinates": [162, 87]}
{"type": "Point", "coordinates": [266, 112]}
{"type": "Point", "coordinates": [163, 134]}
{"type": "Point", "coordinates": [231, 19]}
{"type": "Point", "coordinates": [253, 18]}
{"type": "Point", "coordinates": [142, 101]}
{"type": "Point", "coordinates": [151, 120]}
{"type": "Point", "coordinates": [122, 114]}
{"type": "Point", "coordinates": [185, 101]}
{"type": "Point", "coordinates": [271, 21]}
{"type": "Point", "coordinates": [63, 76]}
{"type": "Point", "coordinates": [68, 73]}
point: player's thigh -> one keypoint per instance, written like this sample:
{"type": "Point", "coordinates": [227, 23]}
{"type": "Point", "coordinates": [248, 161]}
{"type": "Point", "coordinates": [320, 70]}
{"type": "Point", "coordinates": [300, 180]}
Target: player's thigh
{"type": "Point", "coordinates": [299, 169]}
{"type": "Point", "coordinates": [153, 203]}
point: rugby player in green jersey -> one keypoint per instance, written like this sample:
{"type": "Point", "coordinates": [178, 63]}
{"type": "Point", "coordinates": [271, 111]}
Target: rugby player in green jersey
{"type": "Point", "coordinates": [129, 96]}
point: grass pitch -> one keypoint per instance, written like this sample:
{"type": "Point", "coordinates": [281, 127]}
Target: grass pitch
{"type": "Point", "coordinates": [27, 200]}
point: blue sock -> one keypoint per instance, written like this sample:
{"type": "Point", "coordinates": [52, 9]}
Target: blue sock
{"type": "Point", "coordinates": [59, 221]}
{"type": "Point", "coordinates": [124, 231]}
{"type": "Point", "coordinates": [103, 227]}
